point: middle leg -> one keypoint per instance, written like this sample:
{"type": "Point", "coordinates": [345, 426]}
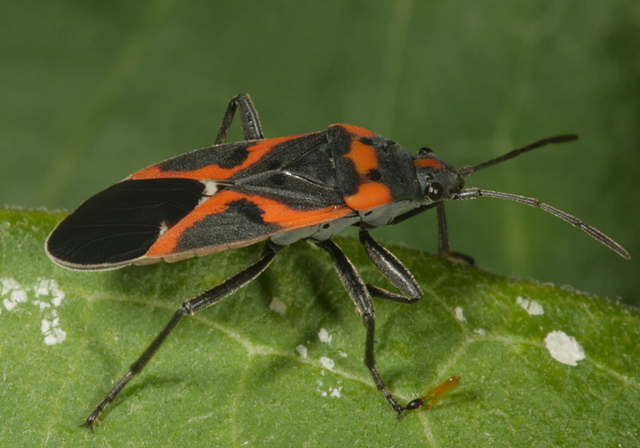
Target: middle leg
{"type": "Point", "coordinates": [359, 293]}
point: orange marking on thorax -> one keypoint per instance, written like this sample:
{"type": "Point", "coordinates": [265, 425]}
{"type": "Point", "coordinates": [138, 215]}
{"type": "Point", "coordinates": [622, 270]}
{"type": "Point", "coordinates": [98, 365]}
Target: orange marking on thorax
{"type": "Point", "coordinates": [428, 163]}
{"type": "Point", "coordinates": [356, 130]}
{"type": "Point", "coordinates": [363, 156]}
{"type": "Point", "coordinates": [369, 195]}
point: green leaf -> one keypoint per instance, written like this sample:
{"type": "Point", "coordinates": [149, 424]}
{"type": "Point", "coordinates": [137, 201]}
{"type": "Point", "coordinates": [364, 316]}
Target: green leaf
{"type": "Point", "coordinates": [234, 375]}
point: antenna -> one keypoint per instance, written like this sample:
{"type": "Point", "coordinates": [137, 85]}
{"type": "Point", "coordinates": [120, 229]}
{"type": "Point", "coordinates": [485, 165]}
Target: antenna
{"type": "Point", "coordinates": [473, 193]}
{"type": "Point", "coordinates": [468, 170]}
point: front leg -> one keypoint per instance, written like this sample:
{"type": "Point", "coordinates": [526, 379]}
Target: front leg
{"type": "Point", "coordinates": [444, 248]}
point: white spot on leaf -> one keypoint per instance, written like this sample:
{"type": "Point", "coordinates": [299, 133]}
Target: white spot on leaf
{"type": "Point", "coordinates": [324, 336]}
{"type": "Point", "coordinates": [327, 363]}
{"type": "Point", "coordinates": [51, 330]}
{"type": "Point", "coordinates": [14, 294]}
{"type": "Point", "coordinates": [278, 306]}
{"type": "Point", "coordinates": [564, 348]}
{"type": "Point", "coordinates": [334, 392]}
{"type": "Point", "coordinates": [460, 314]}
{"type": "Point", "coordinates": [530, 306]}
{"type": "Point", "coordinates": [302, 350]}
{"type": "Point", "coordinates": [9, 284]}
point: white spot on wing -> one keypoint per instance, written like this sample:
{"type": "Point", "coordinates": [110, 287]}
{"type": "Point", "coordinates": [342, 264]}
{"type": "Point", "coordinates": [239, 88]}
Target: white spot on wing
{"type": "Point", "coordinates": [210, 188]}
{"type": "Point", "coordinates": [530, 306]}
{"type": "Point", "coordinates": [163, 228]}
{"type": "Point", "coordinates": [564, 348]}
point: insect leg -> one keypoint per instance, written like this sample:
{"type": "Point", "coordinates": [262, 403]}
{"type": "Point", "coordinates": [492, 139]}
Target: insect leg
{"type": "Point", "coordinates": [393, 270]}
{"type": "Point", "coordinates": [444, 248]}
{"type": "Point", "coordinates": [249, 120]}
{"type": "Point", "coordinates": [358, 292]}
{"type": "Point", "coordinates": [398, 274]}
{"type": "Point", "coordinates": [411, 213]}
{"type": "Point", "coordinates": [189, 307]}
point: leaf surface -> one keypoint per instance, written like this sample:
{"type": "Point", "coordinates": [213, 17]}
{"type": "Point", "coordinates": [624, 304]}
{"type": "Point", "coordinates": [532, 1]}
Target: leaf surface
{"type": "Point", "coordinates": [235, 374]}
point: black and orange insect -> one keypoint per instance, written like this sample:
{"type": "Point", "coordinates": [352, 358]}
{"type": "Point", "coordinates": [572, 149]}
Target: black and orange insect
{"type": "Point", "coordinates": [277, 190]}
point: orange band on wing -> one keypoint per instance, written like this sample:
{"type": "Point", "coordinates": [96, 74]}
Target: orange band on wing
{"type": "Point", "coordinates": [215, 172]}
{"type": "Point", "coordinates": [274, 212]}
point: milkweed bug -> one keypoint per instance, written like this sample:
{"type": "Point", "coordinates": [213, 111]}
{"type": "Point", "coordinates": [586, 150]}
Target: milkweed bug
{"type": "Point", "coordinates": [278, 190]}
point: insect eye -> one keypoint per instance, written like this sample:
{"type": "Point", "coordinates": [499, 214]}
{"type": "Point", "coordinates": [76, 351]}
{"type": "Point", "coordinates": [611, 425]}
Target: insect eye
{"type": "Point", "coordinates": [434, 191]}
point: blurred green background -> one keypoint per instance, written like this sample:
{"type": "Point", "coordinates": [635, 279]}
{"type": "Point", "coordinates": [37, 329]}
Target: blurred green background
{"type": "Point", "coordinates": [92, 91]}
